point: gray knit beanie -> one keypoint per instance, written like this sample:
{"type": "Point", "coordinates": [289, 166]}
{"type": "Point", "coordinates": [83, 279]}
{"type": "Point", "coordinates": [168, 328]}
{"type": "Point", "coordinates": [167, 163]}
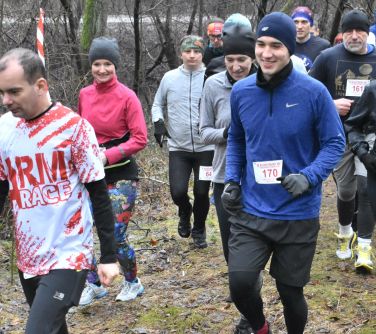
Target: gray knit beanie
{"type": "Point", "coordinates": [104, 48]}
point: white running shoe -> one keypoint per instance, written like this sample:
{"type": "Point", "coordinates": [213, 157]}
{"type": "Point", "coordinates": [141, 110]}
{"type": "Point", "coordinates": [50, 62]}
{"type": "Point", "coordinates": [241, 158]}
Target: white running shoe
{"type": "Point", "coordinates": [91, 292]}
{"type": "Point", "coordinates": [130, 291]}
{"type": "Point", "coordinates": [346, 245]}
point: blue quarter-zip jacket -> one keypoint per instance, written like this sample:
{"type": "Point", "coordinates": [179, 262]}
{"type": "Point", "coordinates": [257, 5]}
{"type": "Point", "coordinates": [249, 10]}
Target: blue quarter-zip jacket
{"type": "Point", "coordinates": [296, 122]}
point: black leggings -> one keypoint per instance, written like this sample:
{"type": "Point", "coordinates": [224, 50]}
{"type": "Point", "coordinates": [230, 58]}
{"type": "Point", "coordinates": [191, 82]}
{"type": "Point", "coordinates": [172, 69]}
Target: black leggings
{"type": "Point", "coordinates": [371, 188]}
{"type": "Point", "coordinates": [365, 220]}
{"type": "Point", "coordinates": [181, 165]}
{"type": "Point", "coordinates": [223, 216]}
{"type": "Point", "coordinates": [50, 297]}
{"type": "Point", "coordinates": [245, 292]}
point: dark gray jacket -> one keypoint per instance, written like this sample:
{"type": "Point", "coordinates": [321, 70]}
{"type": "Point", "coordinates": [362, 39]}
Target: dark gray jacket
{"type": "Point", "coordinates": [362, 120]}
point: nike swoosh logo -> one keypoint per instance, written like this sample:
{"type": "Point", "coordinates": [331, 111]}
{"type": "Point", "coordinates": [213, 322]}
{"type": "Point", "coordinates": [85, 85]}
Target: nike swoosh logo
{"type": "Point", "coordinates": [291, 105]}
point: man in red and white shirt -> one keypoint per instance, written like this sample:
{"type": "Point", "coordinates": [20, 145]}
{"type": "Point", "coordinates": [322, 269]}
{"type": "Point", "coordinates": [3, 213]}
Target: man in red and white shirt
{"type": "Point", "coordinates": [50, 166]}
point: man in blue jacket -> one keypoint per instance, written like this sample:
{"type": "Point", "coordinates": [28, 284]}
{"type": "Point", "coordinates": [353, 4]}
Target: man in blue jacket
{"type": "Point", "coordinates": [285, 138]}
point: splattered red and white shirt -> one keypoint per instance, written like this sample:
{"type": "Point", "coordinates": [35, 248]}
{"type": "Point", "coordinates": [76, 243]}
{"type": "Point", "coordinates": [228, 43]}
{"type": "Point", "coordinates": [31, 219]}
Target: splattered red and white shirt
{"type": "Point", "coordinates": [46, 161]}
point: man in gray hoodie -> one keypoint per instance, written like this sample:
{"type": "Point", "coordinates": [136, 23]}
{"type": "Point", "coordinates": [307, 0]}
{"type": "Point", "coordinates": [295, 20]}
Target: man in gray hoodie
{"type": "Point", "coordinates": [175, 113]}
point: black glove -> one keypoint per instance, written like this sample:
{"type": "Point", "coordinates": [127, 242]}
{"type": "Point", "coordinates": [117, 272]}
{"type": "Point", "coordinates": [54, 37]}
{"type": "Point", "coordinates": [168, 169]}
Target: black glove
{"type": "Point", "coordinates": [160, 131]}
{"type": "Point", "coordinates": [369, 161]}
{"type": "Point", "coordinates": [232, 198]}
{"type": "Point", "coordinates": [225, 131]}
{"type": "Point", "coordinates": [295, 184]}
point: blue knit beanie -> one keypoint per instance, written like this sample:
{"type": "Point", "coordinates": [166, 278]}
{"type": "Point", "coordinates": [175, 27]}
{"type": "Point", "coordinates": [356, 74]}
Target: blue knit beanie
{"type": "Point", "coordinates": [280, 26]}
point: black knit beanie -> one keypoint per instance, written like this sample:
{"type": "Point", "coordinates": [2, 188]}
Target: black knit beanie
{"type": "Point", "coordinates": [104, 48]}
{"type": "Point", "coordinates": [238, 37]}
{"type": "Point", "coordinates": [355, 19]}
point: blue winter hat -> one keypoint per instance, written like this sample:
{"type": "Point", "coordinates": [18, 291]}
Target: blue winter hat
{"type": "Point", "coordinates": [280, 26]}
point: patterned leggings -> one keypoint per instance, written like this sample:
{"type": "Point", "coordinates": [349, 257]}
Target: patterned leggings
{"type": "Point", "coordinates": [123, 196]}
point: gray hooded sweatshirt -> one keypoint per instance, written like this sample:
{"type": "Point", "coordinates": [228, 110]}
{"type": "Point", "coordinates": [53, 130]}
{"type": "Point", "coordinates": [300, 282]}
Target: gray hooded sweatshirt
{"type": "Point", "coordinates": [177, 104]}
{"type": "Point", "coordinates": [215, 116]}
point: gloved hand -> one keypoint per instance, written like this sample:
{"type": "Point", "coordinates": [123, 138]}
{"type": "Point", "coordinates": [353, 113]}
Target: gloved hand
{"type": "Point", "coordinates": [160, 131]}
{"type": "Point", "coordinates": [232, 198]}
{"type": "Point", "coordinates": [225, 131]}
{"type": "Point", "coordinates": [295, 184]}
{"type": "Point", "coordinates": [369, 161]}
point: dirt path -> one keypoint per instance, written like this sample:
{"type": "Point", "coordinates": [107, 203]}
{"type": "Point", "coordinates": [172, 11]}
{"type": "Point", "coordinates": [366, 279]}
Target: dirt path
{"type": "Point", "coordinates": [185, 289]}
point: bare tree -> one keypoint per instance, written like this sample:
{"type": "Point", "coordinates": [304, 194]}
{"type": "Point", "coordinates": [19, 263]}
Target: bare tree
{"type": "Point", "coordinates": [94, 21]}
{"type": "Point", "coordinates": [72, 31]}
{"type": "Point", "coordinates": [1, 23]}
{"type": "Point", "coordinates": [337, 19]}
{"type": "Point", "coordinates": [193, 17]}
{"type": "Point", "coordinates": [137, 45]}
{"type": "Point", "coordinates": [165, 35]}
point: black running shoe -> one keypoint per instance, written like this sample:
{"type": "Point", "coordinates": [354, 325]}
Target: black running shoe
{"type": "Point", "coordinates": [243, 327]}
{"type": "Point", "coordinates": [199, 240]}
{"type": "Point", "coordinates": [184, 227]}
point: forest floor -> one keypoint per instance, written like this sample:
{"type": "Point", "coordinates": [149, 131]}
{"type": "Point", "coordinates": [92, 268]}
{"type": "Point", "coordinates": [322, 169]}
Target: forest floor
{"type": "Point", "coordinates": [185, 288]}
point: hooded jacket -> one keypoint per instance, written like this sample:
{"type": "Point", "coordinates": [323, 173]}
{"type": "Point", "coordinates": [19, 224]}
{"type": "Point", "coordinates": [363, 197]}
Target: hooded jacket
{"type": "Point", "coordinates": [177, 104]}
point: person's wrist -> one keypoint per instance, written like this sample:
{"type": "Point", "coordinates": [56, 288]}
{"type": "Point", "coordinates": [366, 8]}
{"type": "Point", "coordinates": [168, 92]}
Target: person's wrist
{"type": "Point", "coordinates": [231, 184]}
{"type": "Point", "coordinates": [225, 132]}
{"type": "Point", "coordinates": [103, 158]}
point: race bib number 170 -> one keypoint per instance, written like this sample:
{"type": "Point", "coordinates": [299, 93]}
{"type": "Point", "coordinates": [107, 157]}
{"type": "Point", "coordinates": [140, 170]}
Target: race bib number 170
{"type": "Point", "coordinates": [266, 172]}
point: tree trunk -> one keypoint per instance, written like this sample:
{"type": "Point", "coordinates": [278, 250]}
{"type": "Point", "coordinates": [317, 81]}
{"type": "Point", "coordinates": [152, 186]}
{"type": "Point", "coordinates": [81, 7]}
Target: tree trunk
{"type": "Point", "coordinates": [73, 23]}
{"type": "Point", "coordinates": [1, 24]}
{"type": "Point", "coordinates": [322, 24]}
{"type": "Point", "coordinates": [200, 13]}
{"type": "Point", "coordinates": [101, 14]}
{"type": "Point", "coordinates": [261, 10]}
{"type": "Point", "coordinates": [137, 48]}
{"type": "Point", "coordinates": [192, 18]}
{"type": "Point", "coordinates": [87, 27]}
{"type": "Point", "coordinates": [94, 23]}
{"type": "Point", "coordinates": [164, 31]}
{"type": "Point", "coordinates": [337, 20]}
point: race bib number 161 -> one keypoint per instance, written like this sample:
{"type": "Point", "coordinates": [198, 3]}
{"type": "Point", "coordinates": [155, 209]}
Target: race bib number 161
{"type": "Point", "coordinates": [355, 87]}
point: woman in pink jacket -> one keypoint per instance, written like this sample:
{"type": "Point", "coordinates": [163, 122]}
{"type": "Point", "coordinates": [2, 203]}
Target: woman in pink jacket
{"type": "Point", "coordinates": [117, 117]}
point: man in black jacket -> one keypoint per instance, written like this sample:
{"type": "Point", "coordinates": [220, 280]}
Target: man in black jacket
{"type": "Point", "coordinates": [360, 126]}
{"type": "Point", "coordinates": [345, 69]}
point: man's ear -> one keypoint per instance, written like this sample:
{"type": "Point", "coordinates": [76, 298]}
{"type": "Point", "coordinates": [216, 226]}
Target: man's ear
{"type": "Point", "coordinates": [41, 85]}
